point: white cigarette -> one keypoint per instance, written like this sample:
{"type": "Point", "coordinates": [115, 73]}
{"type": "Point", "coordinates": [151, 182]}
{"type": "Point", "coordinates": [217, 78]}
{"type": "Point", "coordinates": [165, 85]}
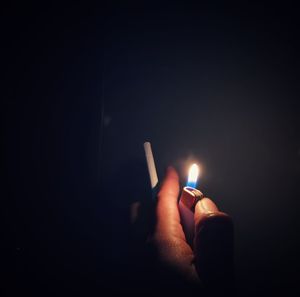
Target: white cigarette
{"type": "Point", "coordinates": [151, 165]}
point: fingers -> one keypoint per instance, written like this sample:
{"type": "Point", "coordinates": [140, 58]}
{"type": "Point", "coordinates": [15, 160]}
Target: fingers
{"type": "Point", "coordinates": [204, 208]}
{"type": "Point", "coordinates": [169, 239]}
{"type": "Point", "coordinates": [168, 219]}
{"type": "Point", "coordinates": [213, 245]}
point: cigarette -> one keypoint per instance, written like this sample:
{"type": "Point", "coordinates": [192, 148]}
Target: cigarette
{"type": "Point", "coordinates": [151, 167]}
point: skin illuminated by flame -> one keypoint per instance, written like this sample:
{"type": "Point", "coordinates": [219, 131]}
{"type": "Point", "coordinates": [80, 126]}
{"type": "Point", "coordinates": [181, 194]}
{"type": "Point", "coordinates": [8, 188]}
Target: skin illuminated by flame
{"type": "Point", "coordinates": [193, 173]}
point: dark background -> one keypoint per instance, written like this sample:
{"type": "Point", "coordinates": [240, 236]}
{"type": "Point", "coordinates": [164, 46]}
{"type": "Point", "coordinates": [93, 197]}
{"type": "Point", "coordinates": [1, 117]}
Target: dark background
{"type": "Point", "coordinates": [84, 88]}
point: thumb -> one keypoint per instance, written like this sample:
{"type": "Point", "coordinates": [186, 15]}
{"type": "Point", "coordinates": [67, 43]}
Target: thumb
{"type": "Point", "coordinates": [213, 245]}
{"type": "Point", "coordinates": [203, 209]}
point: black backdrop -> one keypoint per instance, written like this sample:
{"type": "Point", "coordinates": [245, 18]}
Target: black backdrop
{"type": "Point", "coordinates": [82, 93]}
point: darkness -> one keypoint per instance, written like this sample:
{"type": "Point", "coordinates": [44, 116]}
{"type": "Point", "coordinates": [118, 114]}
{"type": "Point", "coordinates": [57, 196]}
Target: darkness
{"type": "Point", "coordinates": [84, 88]}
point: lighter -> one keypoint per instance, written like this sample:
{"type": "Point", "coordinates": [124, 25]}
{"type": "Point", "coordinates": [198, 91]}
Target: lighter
{"type": "Point", "coordinates": [187, 202]}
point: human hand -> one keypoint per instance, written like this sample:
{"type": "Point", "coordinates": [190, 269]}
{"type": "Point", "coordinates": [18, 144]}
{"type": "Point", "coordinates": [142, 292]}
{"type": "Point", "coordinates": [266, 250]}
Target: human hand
{"type": "Point", "coordinates": [209, 262]}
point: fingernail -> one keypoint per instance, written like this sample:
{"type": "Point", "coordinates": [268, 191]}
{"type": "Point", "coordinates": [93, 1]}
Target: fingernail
{"type": "Point", "coordinates": [171, 171]}
{"type": "Point", "coordinates": [207, 206]}
{"type": "Point", "coordinates": [169, 168]}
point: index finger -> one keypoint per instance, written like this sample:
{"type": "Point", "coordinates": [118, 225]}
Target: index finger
{"type": "Point", "coordinates": [168, 218]}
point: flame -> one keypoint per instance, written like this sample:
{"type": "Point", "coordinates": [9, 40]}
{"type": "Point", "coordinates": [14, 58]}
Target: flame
{"type": "Point", "coordinates": [193, 176]}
